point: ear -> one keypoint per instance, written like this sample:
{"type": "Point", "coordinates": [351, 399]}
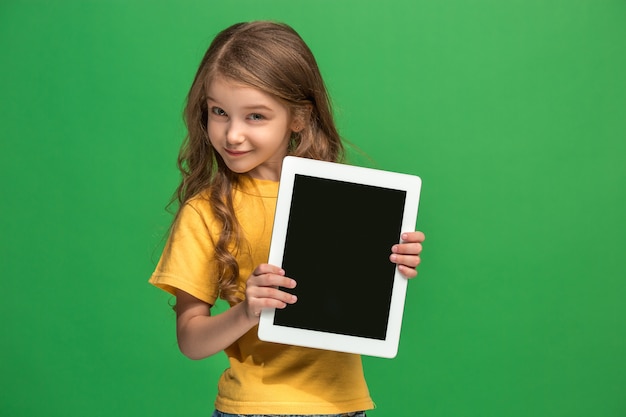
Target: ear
{"type": "Point", "coordinates": [301, 117]}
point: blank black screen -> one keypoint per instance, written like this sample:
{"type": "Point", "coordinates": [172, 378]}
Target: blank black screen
{"type": "Point", "coordinates": [337, 248]}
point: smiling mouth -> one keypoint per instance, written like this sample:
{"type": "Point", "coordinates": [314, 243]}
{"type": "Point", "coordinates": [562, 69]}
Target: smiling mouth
{"type": "Point", "coordinates": [235, 153]}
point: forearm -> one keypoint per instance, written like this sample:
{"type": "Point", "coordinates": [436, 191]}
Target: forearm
{"type": "Point", "coordinates": [202, 335]}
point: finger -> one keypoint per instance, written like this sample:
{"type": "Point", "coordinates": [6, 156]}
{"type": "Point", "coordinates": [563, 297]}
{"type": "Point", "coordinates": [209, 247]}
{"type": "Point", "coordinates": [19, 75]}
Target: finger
{"type": "Point", "coordinates": [263, 294]}
{"type": "Point", "coordinates": [410, 261]}
{"type": "Point", "coordinates": [256, 309]}
{"type": "Point", "coordinates": [266, 297]}
{"type": "Point", "coordinates": [407, 272]}
{"type": "Point", "coordinates": [270, 280]}
{"type": "Point", "coordinates": [407, 248]}
{"type": "Point", "coordinates": [268, 269]}
{"type": "Point", "coordinates": [416, 236]}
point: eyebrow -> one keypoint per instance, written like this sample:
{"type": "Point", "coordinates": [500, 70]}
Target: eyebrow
{"type": "Point", "coordinates": [248, 108]}
{"type": "Point", "coordinates": [258, 107]}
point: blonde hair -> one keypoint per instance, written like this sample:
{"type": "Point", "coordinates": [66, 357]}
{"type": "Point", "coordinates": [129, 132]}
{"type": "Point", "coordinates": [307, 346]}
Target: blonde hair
{"type": "Point", "coordinates": [273, 58]}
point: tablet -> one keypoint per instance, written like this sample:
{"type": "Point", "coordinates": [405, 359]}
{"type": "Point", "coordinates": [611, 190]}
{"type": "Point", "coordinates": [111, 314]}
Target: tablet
{"type": "Point", "coordinates": [333, 231]}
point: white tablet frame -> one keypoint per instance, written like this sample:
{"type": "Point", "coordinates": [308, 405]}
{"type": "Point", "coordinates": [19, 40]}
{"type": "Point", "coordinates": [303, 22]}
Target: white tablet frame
{"type": "Point", "coordinates": [411, 184]}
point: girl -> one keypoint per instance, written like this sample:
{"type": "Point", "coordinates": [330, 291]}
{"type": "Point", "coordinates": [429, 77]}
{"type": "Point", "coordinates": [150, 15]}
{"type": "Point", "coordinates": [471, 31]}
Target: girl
{"type": "Point", "coordinates": [257, 96]}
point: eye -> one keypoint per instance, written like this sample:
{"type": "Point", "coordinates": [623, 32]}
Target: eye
{"type": "Point", "coordinates": [218, 111]}
{"type": "Point", "coordinates": [256, 117]}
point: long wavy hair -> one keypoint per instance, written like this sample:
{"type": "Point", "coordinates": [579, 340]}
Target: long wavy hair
{"type": "Point", "coordinates": [273, 58]}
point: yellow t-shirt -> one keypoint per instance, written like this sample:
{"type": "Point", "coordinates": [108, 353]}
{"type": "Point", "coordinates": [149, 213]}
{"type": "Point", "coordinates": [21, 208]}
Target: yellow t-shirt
{"type": "Point", "coordinates": [263, 378]}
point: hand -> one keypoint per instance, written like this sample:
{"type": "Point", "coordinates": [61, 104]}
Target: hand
{"type": "Point", "coordinates": [262, 290]}
{"type": "Point", "coordinates": [407, 253]}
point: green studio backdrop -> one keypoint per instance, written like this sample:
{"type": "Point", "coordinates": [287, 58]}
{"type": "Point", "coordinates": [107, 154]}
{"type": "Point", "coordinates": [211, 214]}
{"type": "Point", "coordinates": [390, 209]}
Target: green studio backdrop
{"type": "Point", "coordinates": [512, 112]}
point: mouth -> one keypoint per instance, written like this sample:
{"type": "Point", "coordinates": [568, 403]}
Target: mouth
{"type": "Point", "coordinates": [235, 153]}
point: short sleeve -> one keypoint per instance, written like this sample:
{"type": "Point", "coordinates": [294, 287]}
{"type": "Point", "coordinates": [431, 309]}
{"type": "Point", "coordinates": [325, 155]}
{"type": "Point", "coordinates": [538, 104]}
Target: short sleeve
{"type": "Point", "coordinates": [187, 262]}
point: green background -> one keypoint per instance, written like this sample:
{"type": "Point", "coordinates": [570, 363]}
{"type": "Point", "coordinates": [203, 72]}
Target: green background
{"type": "Point", "coordinates": [512, 112]}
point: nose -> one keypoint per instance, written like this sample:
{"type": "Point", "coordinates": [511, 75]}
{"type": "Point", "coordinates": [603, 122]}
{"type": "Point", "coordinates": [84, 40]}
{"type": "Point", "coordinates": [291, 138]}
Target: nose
{"type": "Point", "coordinates": [235, 134]}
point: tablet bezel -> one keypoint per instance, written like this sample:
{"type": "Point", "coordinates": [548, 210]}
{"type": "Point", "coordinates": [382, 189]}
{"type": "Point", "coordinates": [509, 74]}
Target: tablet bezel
{"type": "Point", "coordinates": [292, 166]}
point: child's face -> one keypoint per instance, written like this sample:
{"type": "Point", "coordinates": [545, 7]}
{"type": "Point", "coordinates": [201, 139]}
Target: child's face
{"type": "Point", "coordinates": [248, 128]}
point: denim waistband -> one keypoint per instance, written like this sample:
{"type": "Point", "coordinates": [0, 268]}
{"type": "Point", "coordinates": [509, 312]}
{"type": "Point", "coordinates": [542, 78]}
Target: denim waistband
{"type": "Point", "coordinates": [218, 413]}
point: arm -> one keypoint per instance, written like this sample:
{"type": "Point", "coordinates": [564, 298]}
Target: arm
{"type": "Point", "coordinates": [407, 253]}
{"type": "Point", "coordinates": [201, 335]}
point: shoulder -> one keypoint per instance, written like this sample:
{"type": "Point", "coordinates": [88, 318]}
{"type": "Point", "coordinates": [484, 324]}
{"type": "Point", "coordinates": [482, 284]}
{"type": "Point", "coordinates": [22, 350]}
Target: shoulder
{"type": "Point", "coordinates": [200, 203]}
{"type": "Point", "coordinates": [196, 214]}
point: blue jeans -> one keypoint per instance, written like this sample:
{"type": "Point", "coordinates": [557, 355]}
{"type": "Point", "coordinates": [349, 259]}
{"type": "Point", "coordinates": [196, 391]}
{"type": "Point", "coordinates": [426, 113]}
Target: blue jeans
{"type": "Point", "coordinates": [217, 413]}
